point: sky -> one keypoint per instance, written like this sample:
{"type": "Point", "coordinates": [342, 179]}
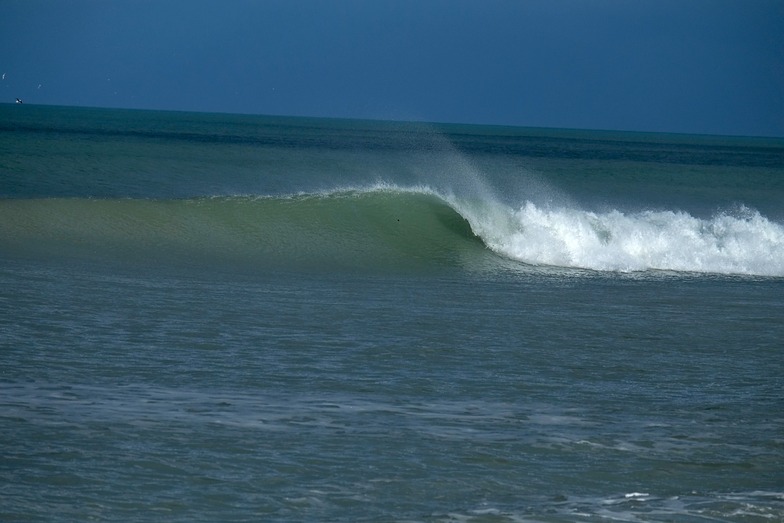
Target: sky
{"type": "Point", "coordinates": [684, 66]}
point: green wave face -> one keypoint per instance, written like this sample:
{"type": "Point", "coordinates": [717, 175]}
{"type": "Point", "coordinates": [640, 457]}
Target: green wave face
{"type": "Point", "coordinates": [357, 230]}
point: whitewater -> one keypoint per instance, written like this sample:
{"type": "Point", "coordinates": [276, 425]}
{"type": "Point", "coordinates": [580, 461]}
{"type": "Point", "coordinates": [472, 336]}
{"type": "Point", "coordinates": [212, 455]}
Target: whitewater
{"type": "Point", "coordinates": [729, 243]}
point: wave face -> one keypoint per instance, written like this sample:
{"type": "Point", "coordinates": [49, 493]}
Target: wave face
{"type": "Point", "coordinates": [377, 229]}
{"type": "Point", "coordinates": [387, 228]}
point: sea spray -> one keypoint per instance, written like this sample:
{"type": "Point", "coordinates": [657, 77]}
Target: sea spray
{"type": "Point", "coordinates": [551, 228]}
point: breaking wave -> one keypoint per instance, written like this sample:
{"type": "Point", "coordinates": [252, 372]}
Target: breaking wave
{"type": "Point", "coordinates": [385, 227]}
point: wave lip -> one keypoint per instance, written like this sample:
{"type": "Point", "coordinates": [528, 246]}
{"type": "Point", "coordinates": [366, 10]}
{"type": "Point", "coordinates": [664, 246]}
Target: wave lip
{"type": "Point", "coordinates": [741, 242]}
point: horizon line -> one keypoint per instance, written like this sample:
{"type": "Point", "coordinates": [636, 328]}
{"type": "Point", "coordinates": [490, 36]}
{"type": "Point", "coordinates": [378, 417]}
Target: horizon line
{"type": "Point", "coordinates": [409, 121]}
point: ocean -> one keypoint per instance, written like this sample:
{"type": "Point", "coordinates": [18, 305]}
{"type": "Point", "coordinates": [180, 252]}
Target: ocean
{"type": "Point", "coordinates": [212, 317]}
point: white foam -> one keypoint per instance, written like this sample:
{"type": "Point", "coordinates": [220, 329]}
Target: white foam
{"type": "Point", "coordinates": [742, 242]}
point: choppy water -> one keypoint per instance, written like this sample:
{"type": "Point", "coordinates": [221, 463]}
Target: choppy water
{"type": "Point", "coordinates": [214, 317]}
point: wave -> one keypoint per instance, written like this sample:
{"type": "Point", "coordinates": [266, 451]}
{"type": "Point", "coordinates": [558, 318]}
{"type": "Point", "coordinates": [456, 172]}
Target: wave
{"type": "Point", "coordinates": [386, 227]}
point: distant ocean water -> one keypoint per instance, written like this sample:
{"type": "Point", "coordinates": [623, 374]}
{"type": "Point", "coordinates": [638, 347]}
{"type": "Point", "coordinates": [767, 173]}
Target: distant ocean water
{"type": "Point", "coordinates": [242, 318]}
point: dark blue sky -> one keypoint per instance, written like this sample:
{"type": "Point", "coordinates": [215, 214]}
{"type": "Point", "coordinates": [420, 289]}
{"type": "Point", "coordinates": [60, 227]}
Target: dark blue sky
{"type": "Point", "coordinates": [694, 66]}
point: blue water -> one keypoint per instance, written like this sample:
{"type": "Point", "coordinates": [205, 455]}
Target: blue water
{"type": "Point", "coordinates": [234, 318]}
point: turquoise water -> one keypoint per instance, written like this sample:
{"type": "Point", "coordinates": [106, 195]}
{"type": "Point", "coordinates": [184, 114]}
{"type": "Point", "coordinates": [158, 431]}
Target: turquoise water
{"type": "Point", "coordinates": [234, 318]}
